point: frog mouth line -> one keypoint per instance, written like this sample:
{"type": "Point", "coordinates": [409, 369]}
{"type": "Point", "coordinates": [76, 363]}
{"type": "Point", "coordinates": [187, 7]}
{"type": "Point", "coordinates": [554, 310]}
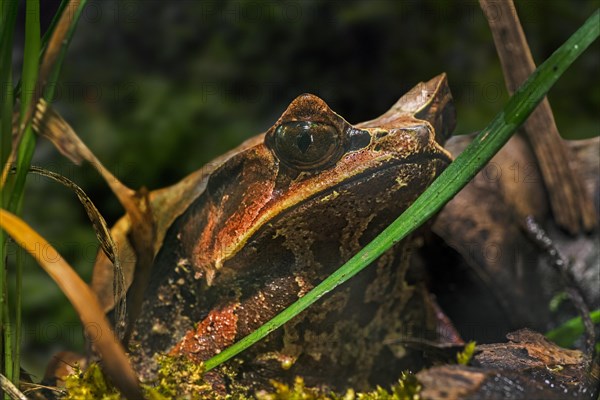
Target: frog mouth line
{"type": "Point", "coordinates": [271, 216]}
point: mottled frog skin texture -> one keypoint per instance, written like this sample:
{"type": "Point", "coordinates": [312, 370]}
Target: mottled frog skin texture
{"type": "Point", "coordinates": [277, 215]}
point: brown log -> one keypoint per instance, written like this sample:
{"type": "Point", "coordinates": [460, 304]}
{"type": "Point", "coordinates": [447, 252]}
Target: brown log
{"type": "Point", "coordinates": [527, 367]}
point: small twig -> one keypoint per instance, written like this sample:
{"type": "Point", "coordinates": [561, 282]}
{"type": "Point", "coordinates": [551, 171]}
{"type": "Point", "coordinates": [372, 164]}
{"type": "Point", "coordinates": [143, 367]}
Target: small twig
{"type": "Point", "coordinates": [10, 389]}
{"type": "Point", "coordinates": [558, 261]}
{"type": "Point", "coordinates": [29, 388]}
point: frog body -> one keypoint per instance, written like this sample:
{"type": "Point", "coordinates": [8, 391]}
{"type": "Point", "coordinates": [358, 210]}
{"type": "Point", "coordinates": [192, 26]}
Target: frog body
{"type": "Point", "coordinates": [270, 220]}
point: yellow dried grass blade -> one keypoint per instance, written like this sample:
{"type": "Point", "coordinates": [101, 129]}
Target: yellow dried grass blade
{"type": "Point", "coordinates": [116, 364]}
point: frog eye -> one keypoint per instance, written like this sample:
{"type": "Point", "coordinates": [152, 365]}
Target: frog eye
{"type": "Point", "coordinates": [307, 145]}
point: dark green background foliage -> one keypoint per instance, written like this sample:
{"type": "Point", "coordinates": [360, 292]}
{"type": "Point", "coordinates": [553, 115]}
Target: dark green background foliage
{"type": "Point", "coordinates": [157, 89]}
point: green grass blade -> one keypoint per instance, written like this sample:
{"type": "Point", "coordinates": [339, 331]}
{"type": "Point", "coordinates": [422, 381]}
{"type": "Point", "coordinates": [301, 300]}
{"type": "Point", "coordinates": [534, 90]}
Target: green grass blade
{"type": "Point", "coordinates": [15, 190]}
{"type": "Point", "coordinates": [450, 182]}
{"type": "Point", "coordinates": [7, 26]}
{"type": "Point", "coordinates": [46, 36]}
{"type": "Point", "coordinates": [8, 16]}
{"type": "Point", "coordinates": [27, 146]}
{"type": "Point", "coordinates": [29, 79]}
{"type": "Point", "coordinates": [566, 334]}
{"type": "Point", "coordinates": [53, 23]}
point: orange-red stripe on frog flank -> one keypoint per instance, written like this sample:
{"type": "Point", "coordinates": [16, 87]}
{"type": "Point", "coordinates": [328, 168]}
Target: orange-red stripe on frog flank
{"type": "Point", "coordinates": [216, 332]}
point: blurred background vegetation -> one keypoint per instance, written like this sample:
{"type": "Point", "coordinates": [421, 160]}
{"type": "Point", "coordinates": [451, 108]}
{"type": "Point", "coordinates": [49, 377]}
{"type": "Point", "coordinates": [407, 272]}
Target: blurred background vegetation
{"type": "Point", "coordinates": [157, 89]}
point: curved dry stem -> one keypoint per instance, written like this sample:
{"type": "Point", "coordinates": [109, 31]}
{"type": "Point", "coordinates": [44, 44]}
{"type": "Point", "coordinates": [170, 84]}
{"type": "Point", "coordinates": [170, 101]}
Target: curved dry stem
{"type": "Point", "coordinates": [107, 244]}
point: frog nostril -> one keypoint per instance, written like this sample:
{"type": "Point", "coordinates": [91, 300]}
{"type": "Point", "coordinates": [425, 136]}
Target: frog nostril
{"type": "Point", "coordinates": [358, 139]}
{"type": "Point", "coordinates": [381, 133]}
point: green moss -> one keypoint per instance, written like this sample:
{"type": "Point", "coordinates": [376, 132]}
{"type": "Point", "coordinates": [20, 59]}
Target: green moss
{"type": "Point", "coordinates": [178, 378]}
{"type": "Point", "coordinates": [90, 384]}
{"type": "Point", "coordinates": [407, 388]}
{"type": "Point", "coordinates": [464, 357]}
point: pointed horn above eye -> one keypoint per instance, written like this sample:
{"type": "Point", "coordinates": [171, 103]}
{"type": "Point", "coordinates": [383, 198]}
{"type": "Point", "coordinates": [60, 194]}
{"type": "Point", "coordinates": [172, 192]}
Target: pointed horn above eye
{"type": "Point", "coordinates": [429, 101]}
{"type": "Point", "coordinates": [424, 95]}
{"type": "Point", "coordinates": [433, 102]}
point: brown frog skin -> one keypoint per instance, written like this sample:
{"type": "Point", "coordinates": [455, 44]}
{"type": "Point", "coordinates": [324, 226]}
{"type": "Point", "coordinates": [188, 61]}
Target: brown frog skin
{"type": "Point", "coordinates": [272, 219]}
